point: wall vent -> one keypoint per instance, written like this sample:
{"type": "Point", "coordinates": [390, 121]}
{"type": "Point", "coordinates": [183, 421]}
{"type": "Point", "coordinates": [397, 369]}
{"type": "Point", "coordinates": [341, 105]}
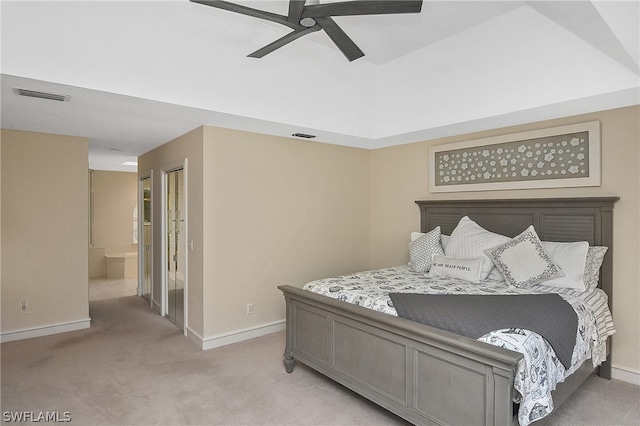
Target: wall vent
{"type": "Point", "coordinates": [303, 135]}
{"type": "Point", "coordinates": [41, 95]}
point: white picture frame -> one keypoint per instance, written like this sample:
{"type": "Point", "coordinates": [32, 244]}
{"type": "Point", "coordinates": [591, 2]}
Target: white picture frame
{"type": "Point", "coordinates": [559, 157]}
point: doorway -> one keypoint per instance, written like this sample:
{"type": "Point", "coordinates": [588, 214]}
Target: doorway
{"type": "Point", "coordinates": [145, 244]}
{"type": "Point", "coordinates": [175, 246]}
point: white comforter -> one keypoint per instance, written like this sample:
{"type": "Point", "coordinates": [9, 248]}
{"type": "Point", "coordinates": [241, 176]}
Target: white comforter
{"type": "Point", "coordinates": [539, 371]}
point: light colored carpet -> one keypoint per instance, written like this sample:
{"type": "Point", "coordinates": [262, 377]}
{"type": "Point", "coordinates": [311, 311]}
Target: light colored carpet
{"type": "Point", "coordinates": [599, 402]}
{"type": "Point", "coordinates": [133, 367]}
{"type": "Point", "coordinates": [109, 288]}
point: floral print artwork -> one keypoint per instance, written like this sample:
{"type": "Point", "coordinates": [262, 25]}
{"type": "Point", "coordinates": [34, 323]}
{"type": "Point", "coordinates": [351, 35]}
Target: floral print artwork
{"type": "Point", "coordinates": [553, 157]}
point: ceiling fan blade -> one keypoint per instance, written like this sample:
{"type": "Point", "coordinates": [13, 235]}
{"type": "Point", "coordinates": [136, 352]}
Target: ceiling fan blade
{"type": "Point", "coordinates": [362, 7]}
{"type": "Point", "coordinates": [340, 38]}
{"type": "Point", "coordinates": [244, 10]}
{"type": "Point", "coordinates": [295, 10]}
{"type": "Point", "coordinates": [283, 41]}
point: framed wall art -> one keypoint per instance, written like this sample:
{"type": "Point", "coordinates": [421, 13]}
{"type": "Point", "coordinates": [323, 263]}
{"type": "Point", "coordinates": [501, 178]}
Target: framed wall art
{"type": "Point", "coordinates": [567, 156]}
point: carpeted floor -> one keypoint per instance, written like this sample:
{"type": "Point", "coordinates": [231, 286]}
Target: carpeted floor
{"type": "Point", "coordinates": [133, 367]}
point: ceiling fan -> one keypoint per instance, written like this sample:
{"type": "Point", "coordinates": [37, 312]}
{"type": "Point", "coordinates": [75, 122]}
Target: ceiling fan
{"type": "Point", "coordinates": [307, 18]}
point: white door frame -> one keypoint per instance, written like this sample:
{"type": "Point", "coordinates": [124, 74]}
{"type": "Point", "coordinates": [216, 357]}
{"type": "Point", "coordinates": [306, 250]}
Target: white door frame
{"type": "Point", "coordinates": [165, 169]}
{"type": "Point", "coordinates": [141, 178]}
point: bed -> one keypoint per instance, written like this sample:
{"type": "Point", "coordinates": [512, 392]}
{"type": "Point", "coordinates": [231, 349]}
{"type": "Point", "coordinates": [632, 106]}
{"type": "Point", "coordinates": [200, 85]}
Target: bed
{"type": "Point", "coordinates": [427, 375]}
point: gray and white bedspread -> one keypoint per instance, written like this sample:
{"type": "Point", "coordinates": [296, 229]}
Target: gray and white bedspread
{"type": "Point", "coordinates": [540, 369]}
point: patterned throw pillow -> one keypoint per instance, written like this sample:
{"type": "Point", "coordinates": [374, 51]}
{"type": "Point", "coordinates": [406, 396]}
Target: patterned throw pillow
{"type": "Point", "coordinates": [470, 240]}
{"type": "Point", "coordinates": [595, 256]}
{"type": "Point", "coordinates": [523, 261]}
{"type": "Point", "coordinates": [422, 249]}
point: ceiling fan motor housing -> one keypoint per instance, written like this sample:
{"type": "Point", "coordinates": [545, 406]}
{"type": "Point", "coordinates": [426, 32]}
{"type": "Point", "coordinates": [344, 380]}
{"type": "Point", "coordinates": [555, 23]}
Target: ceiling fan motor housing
{"type": "Point", "coordinates": [307, 22]}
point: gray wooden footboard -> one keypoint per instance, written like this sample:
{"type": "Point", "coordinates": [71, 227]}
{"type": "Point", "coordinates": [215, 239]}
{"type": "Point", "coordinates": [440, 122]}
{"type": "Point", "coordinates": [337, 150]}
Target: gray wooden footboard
{"type": "Point", "coordinates": [423, 374]}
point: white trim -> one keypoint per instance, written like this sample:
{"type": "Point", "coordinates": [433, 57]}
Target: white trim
{"type": "Point", "coordinates": [196, 338]}
{"type": "Point", "coordinates": [173, 166]}
{"type": "Point", "coordinates": [163, 241]}
{"type": "Point", "coordinates": [185, 195]}
{"type": "Point", "coordinates": [235, 336]}
{"type": "Point", "coordinates": [593, 127]}
{"type": "Point", "coordinates": [141, 258]}
{"type": "Point", "coordinates": [151, 239]}
{"type": "Point", "coordinates": [46, 330]}
{"type": "Point", "coordinates": [625, 376]}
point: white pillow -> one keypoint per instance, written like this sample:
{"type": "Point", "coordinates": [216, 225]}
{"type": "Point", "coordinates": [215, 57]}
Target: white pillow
{"type": "Point", "coordinates": [444, 239]}
{"type": "Point", "coordinates": [523, 261]}
{"type": "Point", "coordinates": [422, 249]}
{"type": "Point", "coordinates": [467, 269]}
{"type": "Point", "coordinates": [571, 258]}
{"type": "Point", "coordinates": [416, 235]}
{"type": "Point", "coordinates": [469, 240]}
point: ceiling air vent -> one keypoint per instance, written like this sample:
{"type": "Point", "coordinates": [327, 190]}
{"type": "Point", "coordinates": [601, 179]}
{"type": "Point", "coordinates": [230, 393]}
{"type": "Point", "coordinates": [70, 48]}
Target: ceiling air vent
{"type": "Point", "coordinates": [303, 135]}
{"type": "Point", "coordinates": [41, 95]}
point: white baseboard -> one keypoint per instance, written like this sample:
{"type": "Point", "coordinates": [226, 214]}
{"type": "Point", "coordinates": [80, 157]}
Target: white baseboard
{"type": "Point", "coordinates": [235, 336]}
{"type": "Point", "coordinates": [45, 330]}
{"type": "Point", "coordinates": [625, 376]}
{"type": "Point", "coordinates": [194, 337]}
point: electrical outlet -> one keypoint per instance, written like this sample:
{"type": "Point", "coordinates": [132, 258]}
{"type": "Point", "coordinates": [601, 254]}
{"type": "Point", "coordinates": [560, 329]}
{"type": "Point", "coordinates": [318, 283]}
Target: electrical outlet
{"type": "Point", "coordinates": [249, 308]}
{"type": "Point", "coordinates": [23, 307]}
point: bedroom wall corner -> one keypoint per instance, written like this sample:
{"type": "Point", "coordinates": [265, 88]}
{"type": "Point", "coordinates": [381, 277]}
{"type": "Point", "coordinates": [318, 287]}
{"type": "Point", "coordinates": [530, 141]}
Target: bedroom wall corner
{"type": "Point", "coordinates": [44, 207]}
{"type": "Point", "coordinates": [399, 176]}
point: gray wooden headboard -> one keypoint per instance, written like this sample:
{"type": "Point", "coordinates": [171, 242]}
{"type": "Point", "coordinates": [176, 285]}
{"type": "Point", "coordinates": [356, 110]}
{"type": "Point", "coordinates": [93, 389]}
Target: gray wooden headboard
{"type": "Point", "coordinates": [555, 219]}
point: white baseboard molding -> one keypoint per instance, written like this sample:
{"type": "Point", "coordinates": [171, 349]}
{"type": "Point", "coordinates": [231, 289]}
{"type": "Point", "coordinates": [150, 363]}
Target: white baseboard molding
{"type": "Point", "coordinates": [194, 337]}
{"type": "Point", "coordinates": [235, 336]}
{"type": "Point", "coordinates": [46, 330]}
{"type": "Point", "coordinates": [625, 376]}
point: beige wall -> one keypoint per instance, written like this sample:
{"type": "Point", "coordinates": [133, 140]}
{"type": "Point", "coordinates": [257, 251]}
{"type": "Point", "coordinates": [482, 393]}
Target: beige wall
{"type": "Point", "coordinates": [44, 231]}
{"type": "Point", "coordinates": [154, 163]}
{"type": "Point", "coordinates": [399, 176]}
{"type": "Point", "coordinates": [115, 195]}
{"type": "Point", "coordinates": [277, 211]}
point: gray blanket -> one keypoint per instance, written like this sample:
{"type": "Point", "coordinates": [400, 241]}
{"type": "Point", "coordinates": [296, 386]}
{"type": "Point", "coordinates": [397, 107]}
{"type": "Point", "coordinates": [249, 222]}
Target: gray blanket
{"type": "Point", "coordinates": [473, 316]}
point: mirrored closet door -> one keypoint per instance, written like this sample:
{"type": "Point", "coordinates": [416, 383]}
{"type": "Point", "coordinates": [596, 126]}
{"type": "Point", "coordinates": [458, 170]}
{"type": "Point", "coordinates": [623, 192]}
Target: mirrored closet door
{"type": "Point", "coordinates": [175, 246]}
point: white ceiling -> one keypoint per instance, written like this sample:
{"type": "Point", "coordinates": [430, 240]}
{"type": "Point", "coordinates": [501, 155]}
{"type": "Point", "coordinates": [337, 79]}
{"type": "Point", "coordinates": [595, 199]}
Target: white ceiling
{"type": "Point", "coordinates": [141, 73]}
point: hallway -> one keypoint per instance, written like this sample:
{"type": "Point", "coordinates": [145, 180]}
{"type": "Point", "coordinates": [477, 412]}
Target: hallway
{"type": "Point", "coordinates": [109, 288]}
